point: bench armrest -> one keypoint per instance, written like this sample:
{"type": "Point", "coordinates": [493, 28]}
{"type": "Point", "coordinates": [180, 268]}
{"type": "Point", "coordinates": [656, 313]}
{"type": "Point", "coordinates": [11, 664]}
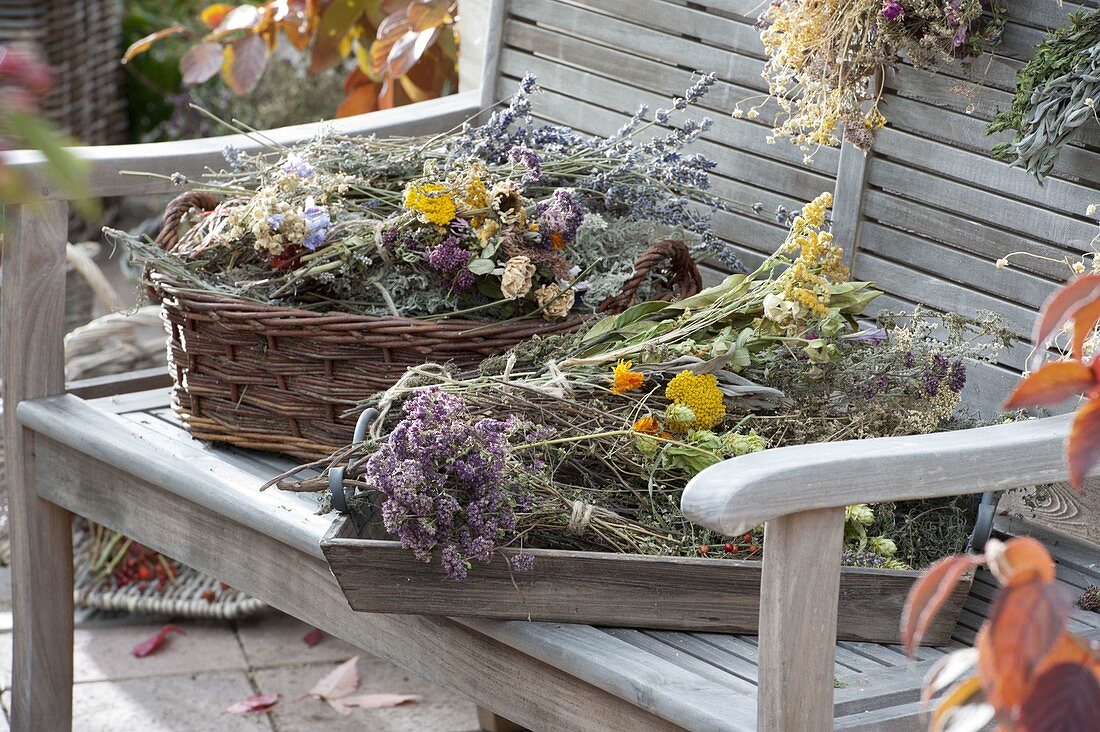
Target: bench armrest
{"type": "Point", "coordinates": [194, 157]}
{"type": "Point", "coordinates": [738, 494]}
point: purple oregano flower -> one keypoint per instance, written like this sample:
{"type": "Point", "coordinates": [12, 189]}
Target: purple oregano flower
{"type": "Point", "coordinates": [448, 483]}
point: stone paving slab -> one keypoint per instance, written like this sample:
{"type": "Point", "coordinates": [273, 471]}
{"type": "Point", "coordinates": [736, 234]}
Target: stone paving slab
{"type": "Point", "coordinates": [437, 711]}
{"type": "Point", "coordinates": [273, 638]}
{"type": "Point", "coordinates": [165, 704]}
{"type": "Point", "coordinates": [107, 653]}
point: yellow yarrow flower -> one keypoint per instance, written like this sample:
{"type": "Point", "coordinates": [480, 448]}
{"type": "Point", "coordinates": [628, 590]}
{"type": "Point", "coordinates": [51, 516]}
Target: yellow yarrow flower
{"type": "Point", "coordinates": [700, 394]}
{"type": "Point", "coordinates": [432, 202]}
{"type": "Point", "coordinates": [623, 379]}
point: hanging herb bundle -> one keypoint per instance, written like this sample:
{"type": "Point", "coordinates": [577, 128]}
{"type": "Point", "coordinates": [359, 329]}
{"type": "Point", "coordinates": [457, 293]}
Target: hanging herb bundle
{"type": "Point", "coordinates": [824, 54]}
{"type": "Point", "coordinates": [1055, 95]}
{"type": "Point", "coordinates": [587, 442]}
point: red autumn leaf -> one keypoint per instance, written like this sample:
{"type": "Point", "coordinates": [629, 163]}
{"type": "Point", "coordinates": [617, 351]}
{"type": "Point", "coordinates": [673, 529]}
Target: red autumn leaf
{"type": "Point", "coordinates": [1018, 560]}
{"type": "Point", "coordinates": [1083, 449]}
{"type": "Point", "coordinates": [345, 704]}
{"type": "Point", "coordinates": [1025, 622]}
{"type": "Point", "coordinates": [245, 59]}
{"type": "Point", "coordinates": [1053, 383]}
{"type": "Point", "coordinates": [142, 45]}
{"type": "Point", "coordinates": [153, 643]}
{"type": "Point", "coordinates": [313, 637]}
{"type": "Point", "coordinates": [1065, 303]}
{"type": "Point", "coordinates": [256, 704]}
{"type": "Point", "coordinates": [1066, 698]}
{"type": "Point", "coordinates": [201, 63]}
{"type": "Point", "coordinates": [360, 95]}
{"type": "Point", "coordinates": [928, 595]}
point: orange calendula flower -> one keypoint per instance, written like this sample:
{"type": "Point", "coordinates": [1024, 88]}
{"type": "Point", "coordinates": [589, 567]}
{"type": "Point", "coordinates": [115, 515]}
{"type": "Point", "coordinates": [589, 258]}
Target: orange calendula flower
{"type": "Point", "coordinates": [647, 425]}
{"type": "Point", "coordinates": [557, 241]}
{"type": "Point", "coordinates": [623, 379]}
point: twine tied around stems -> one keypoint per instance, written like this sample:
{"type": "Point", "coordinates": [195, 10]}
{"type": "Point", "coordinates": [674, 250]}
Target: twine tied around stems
{"type": "Point", "coordinates": [580, 517]}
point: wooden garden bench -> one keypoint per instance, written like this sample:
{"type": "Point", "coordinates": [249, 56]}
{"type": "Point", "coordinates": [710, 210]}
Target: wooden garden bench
{"type": "Point", "coordinates": [925, 217]}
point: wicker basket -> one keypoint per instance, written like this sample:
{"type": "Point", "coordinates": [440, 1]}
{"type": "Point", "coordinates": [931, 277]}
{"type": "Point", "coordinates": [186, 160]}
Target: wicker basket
{"type": "Point", "coordinates": [80, 42]}
{"type": "Point", "coordinates": [284, 380]}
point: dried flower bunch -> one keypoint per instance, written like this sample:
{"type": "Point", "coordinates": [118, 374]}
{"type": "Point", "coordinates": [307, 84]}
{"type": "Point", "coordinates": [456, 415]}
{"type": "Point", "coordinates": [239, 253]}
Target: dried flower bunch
{"type": "Point", "coordinates": [499, 221]}
{"type": "Point", "coordinates": [823, 56]}
{"type": "Point", "coordinates": [586, 441]}
{"type": "Point", "coordinates": [1056, 93]}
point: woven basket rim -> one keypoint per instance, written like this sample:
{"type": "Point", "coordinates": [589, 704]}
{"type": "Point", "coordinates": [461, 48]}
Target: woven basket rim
{"type": "Point", "coordinates": [176, 289]}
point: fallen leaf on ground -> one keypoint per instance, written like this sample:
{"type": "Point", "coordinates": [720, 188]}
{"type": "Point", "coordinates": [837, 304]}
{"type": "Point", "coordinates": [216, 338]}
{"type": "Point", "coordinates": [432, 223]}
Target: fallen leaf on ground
{"type": "Point", "coordinates": [313, 637]}
{"type": "Point", "coordinates": [154, 643]}
{"type": "Point", "coordinates": [341, 681]}
{"type": "Point", "coordinates": [345, 704]}
{"type": "Point", "coordinates": [255, 704]}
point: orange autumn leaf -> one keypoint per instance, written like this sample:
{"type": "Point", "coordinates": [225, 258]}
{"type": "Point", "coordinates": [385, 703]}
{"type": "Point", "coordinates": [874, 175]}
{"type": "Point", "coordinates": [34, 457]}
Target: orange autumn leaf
{"type": "Point", "coordinates": [360, 94]}
{"type": "Point", "coordinates": [1018, 560]}
{"type": "Point", "coordinates": [1064, 305]}
{"type": "Point", "coordinates": [1025, 622]}
{"type": "Point", "coordinates": [1083, 449]}
{"type": "Point", "coordinates": [928, 595]}
{"type": "Point", "coordinates": [213, 15]}
{"type": "Point", "coordinates": [143, 44]}
{"type": "Point", "coordinates": [1052, 383]}
{"type": "Point", "coordinates": [1085, 319]}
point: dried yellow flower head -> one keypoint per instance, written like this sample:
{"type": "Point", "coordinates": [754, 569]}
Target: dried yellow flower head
{"type": "Point", "coordinates": [701, 395]}
{"type": "Point", "coordinates": [431, 202]}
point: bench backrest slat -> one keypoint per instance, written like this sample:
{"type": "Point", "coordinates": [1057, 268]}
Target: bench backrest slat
{"type": "Point", "coordinates": [926, 215]}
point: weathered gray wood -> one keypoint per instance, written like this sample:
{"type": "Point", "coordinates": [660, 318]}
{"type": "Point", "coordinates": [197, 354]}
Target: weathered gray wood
{"type": "Point", "coordinates": [851, 183]}
{"type": "Point", "coordinates": [193, 157]}
{"type": "Point", "coordinates": [41, 539]}
{"type": "Point", "coordinates": [191, 472]}
{"type": "Point", "coordinates": [520, 687]}
{"type": "Point", "coordinates": [741, 493]}
{"type": "Point", "coordinates": [1059, 507]}
{"type": "Point", "coordinates": [678, 593]}
{"type": "Point", "coordinates": [105, 386]}
{"type": "Point", "coordinates": [490, 722]}
{"type": "Point", "coordinates": [796, 636]}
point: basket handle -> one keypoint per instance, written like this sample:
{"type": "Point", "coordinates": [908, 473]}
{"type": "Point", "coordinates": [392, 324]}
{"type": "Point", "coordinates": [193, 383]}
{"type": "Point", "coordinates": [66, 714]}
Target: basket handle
{"type": "Point", "coordinates": [684, 278]}
{"type": "Point", "coordinates": [177, 208]}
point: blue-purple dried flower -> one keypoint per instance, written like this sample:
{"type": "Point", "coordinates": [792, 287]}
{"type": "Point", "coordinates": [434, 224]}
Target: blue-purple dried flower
{"type": "Point", "coordinates": [298, 165]}
{"type": "Point", "coordinates": [317, 225]}
{"type": "Point", "coordinates": [560, 214]}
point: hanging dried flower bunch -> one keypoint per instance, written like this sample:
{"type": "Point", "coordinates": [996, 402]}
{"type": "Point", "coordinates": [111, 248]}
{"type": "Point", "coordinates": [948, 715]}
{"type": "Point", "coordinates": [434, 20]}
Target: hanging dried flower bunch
{"type": "Point", "coordinates": [826, 58]}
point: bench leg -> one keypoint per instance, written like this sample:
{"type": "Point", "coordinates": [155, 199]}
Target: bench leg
{"type": "Point", "coordinates": [41, 532]}
{"type": "Point", "coordinates": [799, 593]}
{"type": "Point", "coordinates": [489, 722]}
